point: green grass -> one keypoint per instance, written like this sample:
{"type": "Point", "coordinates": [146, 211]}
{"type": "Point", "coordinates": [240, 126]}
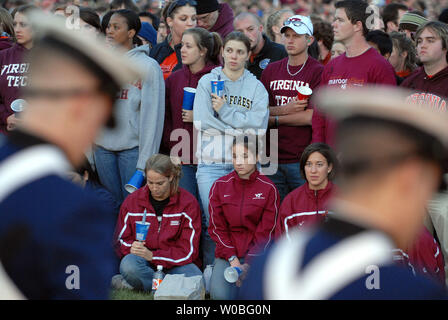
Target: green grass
{"type": "Point", "coordinates": [126, 294]}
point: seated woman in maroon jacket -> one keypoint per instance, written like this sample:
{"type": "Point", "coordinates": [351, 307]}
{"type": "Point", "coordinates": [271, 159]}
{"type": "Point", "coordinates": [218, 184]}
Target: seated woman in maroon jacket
{"type": "Point", "coordinates": [13, 68]}
{"type": "Point", "coordinates": [243, 213]}
{"type": "Point", "coordinates": [175, 227]}
{"type": "Point", "coordinates": [307, 204]}
{"type": "Point", "coordinates": [200, 54]}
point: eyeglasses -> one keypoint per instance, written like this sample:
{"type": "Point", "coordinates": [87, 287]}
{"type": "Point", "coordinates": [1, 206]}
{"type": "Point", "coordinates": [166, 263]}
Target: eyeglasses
{"type": "Point", "coordinates": [179, 3]}
{"type": "Point", "coordinates": [296, 22]}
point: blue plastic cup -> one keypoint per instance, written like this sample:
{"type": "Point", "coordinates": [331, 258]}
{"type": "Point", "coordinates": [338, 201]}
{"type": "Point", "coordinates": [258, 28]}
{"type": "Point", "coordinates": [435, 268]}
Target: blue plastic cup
{"type": "Point", "coordinates": [232, 274]}
{"type": "Point", "coordinates": [136, 182]}
{"type": "Point", "coordinates": [141, 230]}
{"type": "Point", "coordinates": [188, 101]}
{"type": "Point", "coordinates": [218, 87]}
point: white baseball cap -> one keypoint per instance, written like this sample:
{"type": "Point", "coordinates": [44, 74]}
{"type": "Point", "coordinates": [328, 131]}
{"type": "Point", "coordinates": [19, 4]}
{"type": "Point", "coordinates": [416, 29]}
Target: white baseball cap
{"type": "Point", "coordinates": [300, 25]}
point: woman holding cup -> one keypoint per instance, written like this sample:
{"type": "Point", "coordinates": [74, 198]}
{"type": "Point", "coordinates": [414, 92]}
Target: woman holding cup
{"type": "Point", "coordinates": [140, 110]}
{"type": "Point", "coordinates": [242, 106]}
{"type": "Point", "coordinates": [14, 69]}
{"type": "Point", "coordinates": [174, 220]}
{"type": "Point", "coordinates": [200, 54]}
{"type": "Point", "coordinates": [243, 213]}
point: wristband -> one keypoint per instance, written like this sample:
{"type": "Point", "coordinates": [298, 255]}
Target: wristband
{"type": "Point", "coordinates": [276, 121]}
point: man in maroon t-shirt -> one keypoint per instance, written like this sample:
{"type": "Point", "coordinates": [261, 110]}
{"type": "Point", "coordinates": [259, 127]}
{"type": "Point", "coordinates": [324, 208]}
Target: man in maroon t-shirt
{"type": "Point", "coordinates": [292, 117]}
{"type": "Point", "coordinates": [430, 82]}
{"type": "Point", "coordinates": [358, 66]}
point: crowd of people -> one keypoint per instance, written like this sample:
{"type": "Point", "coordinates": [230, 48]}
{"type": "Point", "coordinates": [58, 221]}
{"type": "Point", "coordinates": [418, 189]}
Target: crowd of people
{"type": "Point", "coordinates": [209, 191]}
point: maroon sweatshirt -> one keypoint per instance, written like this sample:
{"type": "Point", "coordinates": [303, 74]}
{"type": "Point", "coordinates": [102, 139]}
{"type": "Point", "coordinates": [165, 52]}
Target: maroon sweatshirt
{"type": "Point", "coordinates": [174, 86]}
{"type": "Point", "coordinates": [344, 72]}
{"type": "Point", "coordinates": [304, 207]}
{"type": "Point", "coordinates": [12, 78]}
{"type": "Point", "coordinates": [282, 88]}
{"type": "Point", "coordinates": [174, 241]}
{"type": "Point", "coordinates": [224, 24]}
{"type": "Point", "coordinates": [243, 215]}
{"type": "Point", "coordinates": [432, 89]}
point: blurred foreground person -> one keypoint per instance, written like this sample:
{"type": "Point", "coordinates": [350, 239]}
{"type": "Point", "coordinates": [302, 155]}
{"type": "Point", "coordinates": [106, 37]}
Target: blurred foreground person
{"type": "Point", "coordinates": [390, 169]}
{"type": "Point", "coordinates": [65, 248]}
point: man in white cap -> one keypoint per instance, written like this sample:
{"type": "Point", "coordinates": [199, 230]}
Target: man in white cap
{"type": "Point", "coordinates": [392, 158]}
{"type": "Point", "coordinates": [63, 249]}
{"type": "Point", "coordinates": [358, 66]}
{"type": "Point", "coordinates": [288, 114]}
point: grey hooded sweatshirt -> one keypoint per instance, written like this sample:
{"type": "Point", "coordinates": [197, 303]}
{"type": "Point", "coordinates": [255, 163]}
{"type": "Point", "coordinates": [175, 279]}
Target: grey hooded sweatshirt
{"type": "Point", "coordinates": [140, 112]}
{"type": "Point", "coordinates": [245, 109]}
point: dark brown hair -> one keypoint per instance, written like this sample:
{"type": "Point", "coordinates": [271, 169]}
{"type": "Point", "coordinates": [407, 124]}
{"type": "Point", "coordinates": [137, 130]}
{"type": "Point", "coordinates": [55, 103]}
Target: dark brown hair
{"type": "Point", "coordinates": [208, 40]}
{"type": "Point", "coordinates": [326, 151]}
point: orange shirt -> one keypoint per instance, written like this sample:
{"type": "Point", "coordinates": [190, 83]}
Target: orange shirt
{"type": "Point", "coordinates": [168, 65]}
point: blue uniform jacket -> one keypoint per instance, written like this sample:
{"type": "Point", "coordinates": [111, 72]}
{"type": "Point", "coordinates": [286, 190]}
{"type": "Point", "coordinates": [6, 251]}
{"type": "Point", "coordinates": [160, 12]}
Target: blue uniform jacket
{"type": "Point", "coordinates": [361, 270]}
{"type": "Point", "coordinates": [55, 237]}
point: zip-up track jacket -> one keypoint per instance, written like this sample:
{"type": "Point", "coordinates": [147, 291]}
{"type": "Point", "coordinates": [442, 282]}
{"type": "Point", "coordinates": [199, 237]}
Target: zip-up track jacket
{"type": "Point", "coordinates": [174, 241]}
{"type": "Point", "coordinates": [243, 215]}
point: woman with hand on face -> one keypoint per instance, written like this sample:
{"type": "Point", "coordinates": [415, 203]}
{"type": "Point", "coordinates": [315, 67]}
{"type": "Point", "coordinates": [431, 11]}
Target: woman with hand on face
{"type": "Point", "coordinates": [179, 16]}
{"type": "Point", "coordinates": [200, 54]}
{"type": "Point", "coordinates": [243, 214]}
{"type": "Point", "coordinates": [13, 73]}
{"type": "Point", "coordinates": [175, 227]}
{"type": "Point", "coordinates": [139, 111]}
{"type": "Point", "coordinates": [242, 106]}
{"type": "Point", "coordinates": [307, 205]}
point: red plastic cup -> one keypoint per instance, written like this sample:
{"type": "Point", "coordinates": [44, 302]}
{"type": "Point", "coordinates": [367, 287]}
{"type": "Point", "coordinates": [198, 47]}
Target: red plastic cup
{"type": "Point", "coordinates": [304, 93]}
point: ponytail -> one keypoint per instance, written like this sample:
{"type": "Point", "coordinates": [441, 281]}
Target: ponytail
{"type": "Point", "coordinates": [133, 22]}
{"type": "Point", "coordinates": [168, 167]}
{"type": "Point", "coordinates": [215, 53]}
{"type": "Point", "coordinates": [211, 41]}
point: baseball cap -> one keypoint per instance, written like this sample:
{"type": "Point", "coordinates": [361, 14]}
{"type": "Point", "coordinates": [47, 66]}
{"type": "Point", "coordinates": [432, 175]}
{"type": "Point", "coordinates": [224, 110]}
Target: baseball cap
{"type": "Point", "coordinates": [300, 25]}
{"type": "Point", "coordinates": [112, 67]}
{"type": "Point", "coordinates": [411, 21]}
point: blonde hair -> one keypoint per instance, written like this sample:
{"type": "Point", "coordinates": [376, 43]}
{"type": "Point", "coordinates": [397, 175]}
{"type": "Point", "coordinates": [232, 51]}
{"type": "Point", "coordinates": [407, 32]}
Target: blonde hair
{"type": "Point", "coordinates": [7, 24]}
{"type": "Point", "coordinates": [273, 20]}
{"type": "Point", "coordinates": [168, 167]}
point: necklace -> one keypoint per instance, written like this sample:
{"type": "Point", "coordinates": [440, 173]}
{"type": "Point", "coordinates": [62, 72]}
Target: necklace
{"type": "Point", "coordinates": [294, 74]}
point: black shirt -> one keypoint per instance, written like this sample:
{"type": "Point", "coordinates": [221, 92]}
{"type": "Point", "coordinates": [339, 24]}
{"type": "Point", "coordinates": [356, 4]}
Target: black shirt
{"type": "Point", "coordinates": [158, 206]}
{"type": "Point", "coordinates": [270, 52]}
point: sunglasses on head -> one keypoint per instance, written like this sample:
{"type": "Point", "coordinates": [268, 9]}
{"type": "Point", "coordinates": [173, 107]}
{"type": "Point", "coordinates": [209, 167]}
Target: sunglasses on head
{"type": "Point", "coordinates": [296, 22]}
{"type": "Point", "coordinates": [180, 3]}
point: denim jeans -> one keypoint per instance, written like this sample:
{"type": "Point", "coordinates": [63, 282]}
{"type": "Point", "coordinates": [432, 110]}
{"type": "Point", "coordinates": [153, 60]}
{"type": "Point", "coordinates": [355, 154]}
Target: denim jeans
{"type": "Point", "coordinates": [287, 178]}
{"type": "Point", "coordinates": [188, 180]}
{"type": "Point", "coordinates": [138, 272]}
{"type": "Point", "coordinates": [206, 175]}
{"type": "Point", "coordinates": [115, 169]}
{"type": "Point", "coordinates": [220, 289]}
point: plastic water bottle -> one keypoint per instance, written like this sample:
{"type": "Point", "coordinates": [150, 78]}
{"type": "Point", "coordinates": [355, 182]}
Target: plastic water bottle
{"type": "Point", "coordinates": [157, 278]}
{"type": "Point", "coordinates": [207, 276]}
{"type": "Point", "coordinates": [231, 274]}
